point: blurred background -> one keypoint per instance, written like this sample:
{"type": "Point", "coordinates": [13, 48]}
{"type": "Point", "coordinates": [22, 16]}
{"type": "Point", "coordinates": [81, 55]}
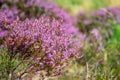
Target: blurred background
{"type": "Point", "coordinates": [94, 64]}
{"type": "Point", "coordinates": [75, 5]}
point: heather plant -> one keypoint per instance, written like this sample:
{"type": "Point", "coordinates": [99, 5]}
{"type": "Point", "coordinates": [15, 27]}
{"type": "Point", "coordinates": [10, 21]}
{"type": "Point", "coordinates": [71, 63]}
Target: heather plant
{"type": "Point", "coordinates": [35, 36]}
{"type": "Point", "coordinates": [36, 45]}
{"type": "Point", "coordinates": [39, 39]}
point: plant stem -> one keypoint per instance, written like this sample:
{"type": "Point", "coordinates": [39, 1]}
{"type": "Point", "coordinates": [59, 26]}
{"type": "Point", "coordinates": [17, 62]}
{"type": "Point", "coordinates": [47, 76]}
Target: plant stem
{"type": "Point", "coordinates": [10, 75]}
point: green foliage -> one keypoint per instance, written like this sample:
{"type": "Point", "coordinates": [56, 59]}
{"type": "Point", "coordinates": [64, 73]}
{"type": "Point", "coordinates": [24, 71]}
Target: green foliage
{"type": "Point", "coordinates": [99, 66]}
{"type": "Point", "coordinates": [98, 4]}
{"type": "Point", "coordinates": [116, 36]}
{"type": "Point", "coordinates": [6, 64]}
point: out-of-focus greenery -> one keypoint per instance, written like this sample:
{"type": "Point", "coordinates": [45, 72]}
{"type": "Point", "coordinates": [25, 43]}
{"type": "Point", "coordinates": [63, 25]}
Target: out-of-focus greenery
{"type": "Point", "coordinates": [75, 5]}
{"type": "Point", "coordinates": [98, 66]}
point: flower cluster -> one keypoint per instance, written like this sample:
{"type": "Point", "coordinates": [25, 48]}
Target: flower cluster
{"type": "Point", "coordinates": [37, 32]}
{"type": "Point", "coordinates": [45, 39]}
{"type": "Point", "coordinates": [7, 17]}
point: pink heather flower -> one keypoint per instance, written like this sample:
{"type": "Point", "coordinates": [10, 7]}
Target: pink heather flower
{"type": "Point", "coordinates": [87, 22]}
{"type": "Point", "coordinates": [38, 58]}
{"type": "Point", "coordinates": [3, 34]}
{"type": "Point", "coordinates": [52, 63]}
{"type": "Point", "coordinates": [32, 67]}
{"type": "Point", "coordinates": [96, 33]}
{"type": "Point", "coordinates": [102, 12]}
{"type": "Point", "coordinates": [36, 47]}
{"type": "Point", "coordinates": [41, 64]}
{"type": "Point", "coordinates": [59, 73]}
